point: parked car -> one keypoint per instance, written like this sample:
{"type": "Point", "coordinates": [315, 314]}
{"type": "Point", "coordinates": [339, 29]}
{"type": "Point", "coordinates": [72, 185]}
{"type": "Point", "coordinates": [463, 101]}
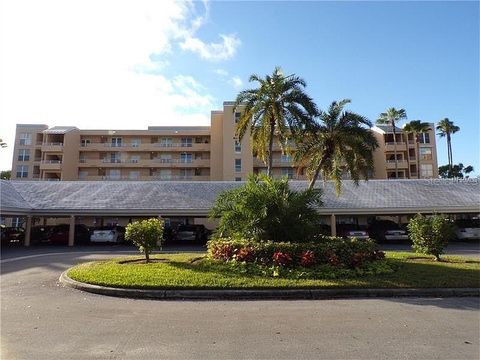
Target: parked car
{"type": "Point", "coordinates": [113, 234]}
{"type": "Point", "coordinates": [12, 236]}
{"type": "Point", "coordinates": [467, 229]}
{"type": "Point", "coordinates": [352, 231]}
{"type": "Point", "coordinates": [59, 234]}
{"type": "Point", "coordinates": [41, 234]}
{"type": "Point", "coordinates": [387, 230]}
{"type": "Point", "coordinates": [191, 233]}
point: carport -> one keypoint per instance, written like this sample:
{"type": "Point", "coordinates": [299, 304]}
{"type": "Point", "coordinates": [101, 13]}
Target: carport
{"type": "Point", "coordinates": [190, 199]}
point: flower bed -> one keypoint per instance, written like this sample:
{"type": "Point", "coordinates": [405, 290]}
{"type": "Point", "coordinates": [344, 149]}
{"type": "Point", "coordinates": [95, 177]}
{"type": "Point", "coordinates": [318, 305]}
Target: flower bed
{"type": "Point", "coordinates": [338, 252]}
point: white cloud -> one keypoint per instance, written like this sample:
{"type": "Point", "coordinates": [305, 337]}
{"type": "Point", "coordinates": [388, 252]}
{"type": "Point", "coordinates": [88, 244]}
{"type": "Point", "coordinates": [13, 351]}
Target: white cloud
{"type": "Point", "coordinates": [223, 50]}
{"type": "Point", "coordinates": [89, 64]}
{"type": "Point", "coordinates": [236, 82]}
{"type": "Point", "coordinates": [221, 72]}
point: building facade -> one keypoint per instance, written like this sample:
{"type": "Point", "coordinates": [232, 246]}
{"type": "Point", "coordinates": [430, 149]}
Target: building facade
{"type": "Point", "coordinates": [201, 153]}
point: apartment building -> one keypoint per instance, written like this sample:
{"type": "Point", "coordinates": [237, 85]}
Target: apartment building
{"type": "Point", "coordinates": [413, 161]}
{"type": "Point", "coordinates": [201, 153]}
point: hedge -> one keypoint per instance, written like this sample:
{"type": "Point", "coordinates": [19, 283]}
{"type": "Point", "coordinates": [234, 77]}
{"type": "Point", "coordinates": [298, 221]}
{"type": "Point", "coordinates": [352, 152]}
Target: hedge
{"type": "Point", "coordinates": [329, 250]}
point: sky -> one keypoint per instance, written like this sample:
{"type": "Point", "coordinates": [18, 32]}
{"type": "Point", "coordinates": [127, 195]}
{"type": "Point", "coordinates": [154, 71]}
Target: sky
{"type": "Point", "coordinates": [115, 64]}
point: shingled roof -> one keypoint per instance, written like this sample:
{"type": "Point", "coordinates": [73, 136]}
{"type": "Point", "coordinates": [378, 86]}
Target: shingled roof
{"type": "Point", "coordinates": [196, 198]}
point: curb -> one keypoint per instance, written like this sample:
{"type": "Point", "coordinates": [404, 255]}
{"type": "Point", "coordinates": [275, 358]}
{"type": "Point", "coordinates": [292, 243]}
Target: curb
{"type": "Point", "coordinates": [266, 294]}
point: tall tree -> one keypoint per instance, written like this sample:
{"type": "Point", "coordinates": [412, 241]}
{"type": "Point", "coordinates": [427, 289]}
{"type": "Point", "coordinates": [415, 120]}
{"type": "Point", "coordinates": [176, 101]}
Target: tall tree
{"type": "Point", "coordinates": [417, 127]}
{"type": "Point", "coordinates": [279, 105]}
{"type": "Point", "coordinates": [391, 117]}
{"type": "Point", "coordinates": [339, 141]}
{"type": "Point", "coordinates": [456, 171]}
{"type": "Point", "coordinates": [446, 128]}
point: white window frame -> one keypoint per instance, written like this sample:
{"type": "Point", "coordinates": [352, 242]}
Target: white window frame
{"type": "Point", "coordinates": [22, 171]}
{"type": "Point", "coordinates": [288, 172]}
{"type": "Point", "coordinates": [23, 155]}
{"type": "Point", "coordinates": [85, 142]}
{"type": "Point", "coordinates": [25, 139]}
{"type": "Point", "coordinates": [187, 142]}
{"type": "Point", "coordinates": [426, 170]}
{"type": "Point", "coordinates": [236, 117]}
{"type": "Point", "coordinates": [286, 158]}
{"type": "Point", "coordinates": [237, 147]}
{"type": "Point", "coordinates": [134, 159]}
{"type": "Point", "coordinates": [116, 142]}
{"type": "Point", "coordinates": [134, 175]}
{"type": "Point", "coordinates": [166, 141]}
{"type": "Point", "coordinates": [136, 143]}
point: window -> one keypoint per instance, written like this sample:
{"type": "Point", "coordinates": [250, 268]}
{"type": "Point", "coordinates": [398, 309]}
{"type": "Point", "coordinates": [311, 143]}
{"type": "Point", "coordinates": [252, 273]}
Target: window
{"type": "Point", "coordinates": [134, 159]}
{"type": "Point", "coordinates": [25, 139]}
{"type": "Point", "coordinates": [237, 117]}
{"type": "Point", "coordinates": [135, 142]}
{"type": "Point", "coordinates": [187, 142]}
{"type": "Point", "coordinates": [116, 142]}
{"type": "Point", "coordinates": [23, 155]}
{"type": "Point", "coordinates": [114, 174]}
{"type": "Point", "coordinates": [238, 147]}
{"type": "Point", "coordinates": [84, 142]}
{"type": "Point", "coordinates": [115, 158]}
{"type": "Point", "coordinates": [82, 174]}
{"type": "Point", "coordinates": [286, 158]}
{"type": "Point", "coordinates": [17, 222]}
{"type": "Point", "coordinates": [186, 174]}
{"type": "Point", "coordinates": [22, 171]}
{"type": "Point", "coordinates": [238, 165]}
{"type": "Point", "coordinates": [424, 138]}
{"type": "Point", "coordinates": [82, 158]}
{"type": "Point", "coordinates": [425, 153]}
{"type": "Point", "coordinates": [166, 142]}
{"type": "Point", "coordinates": [134, 175]}
{"type": "Point", "coordinates": [426, 170]}
{"type": "Point", "coordinates": [165, 174]}
{"type": "Point", "coordinates": [288, 172]}
{"type": "Point", "coordinates": [185, 158]}
{"type": "Point", "coordinates": [238, 179]}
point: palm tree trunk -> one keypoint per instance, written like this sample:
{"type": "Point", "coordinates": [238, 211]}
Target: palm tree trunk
{"type": "Point", "coordinates": [395, 149]}
{"type": "Point", "coordinates": [147, 256]}
{"type": "Point", "coordinates": [325, 156]}
{"type": "Point", "coordinates": [450, 157]}
{"type": "Point", "coordinates": [270, 148]}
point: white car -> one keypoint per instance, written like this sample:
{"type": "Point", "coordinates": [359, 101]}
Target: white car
{"type": "Point", "coordinates": [467, 230]}
{"type": "Point", "coordinates": [396, 235]}
{"type": "Point", "coordinates": [112, 234]}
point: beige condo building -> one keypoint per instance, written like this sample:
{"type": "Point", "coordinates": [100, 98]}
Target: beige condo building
{"type": "Point", "coordinates": [202, 153]}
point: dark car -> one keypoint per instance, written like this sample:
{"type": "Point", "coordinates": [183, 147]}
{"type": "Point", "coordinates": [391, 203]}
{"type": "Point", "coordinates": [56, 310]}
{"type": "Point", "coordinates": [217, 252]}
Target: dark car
{"type": "Point", "coordinates": [13, 236]}
{"type": "Point", "coordinates": [387, 230]}
{"type": "Point", "coordinates": [59, 234]}
{"type": "Point", "coordinates": [41, 234]}
{"type": "Point", "coordinates": [352, 231]}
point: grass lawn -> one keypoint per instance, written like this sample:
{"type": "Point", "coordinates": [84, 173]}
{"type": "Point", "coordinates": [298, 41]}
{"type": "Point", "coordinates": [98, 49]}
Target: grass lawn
{"type": "Point", "coordinates": [177, 271]}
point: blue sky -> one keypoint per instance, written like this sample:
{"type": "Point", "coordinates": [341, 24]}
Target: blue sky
{"type": "Point", "coordinates": [163, 63]}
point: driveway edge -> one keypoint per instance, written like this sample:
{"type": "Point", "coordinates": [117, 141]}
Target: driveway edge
{"type": "Point", "coordinates": [266, 294]}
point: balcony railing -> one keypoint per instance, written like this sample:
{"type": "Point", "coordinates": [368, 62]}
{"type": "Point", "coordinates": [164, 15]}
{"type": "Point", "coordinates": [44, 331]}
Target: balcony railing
{"type": "Point", "coordinates": [52, 144]}
{"type": "Point", "coordinates": [51, 161]}
{"type": "Point", "coordinates": [167, 145]}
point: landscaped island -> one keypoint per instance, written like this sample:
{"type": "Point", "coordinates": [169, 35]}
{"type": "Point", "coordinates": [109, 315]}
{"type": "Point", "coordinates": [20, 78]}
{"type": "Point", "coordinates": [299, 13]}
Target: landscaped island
{"type": "Point", "coordinates": [196, 271]}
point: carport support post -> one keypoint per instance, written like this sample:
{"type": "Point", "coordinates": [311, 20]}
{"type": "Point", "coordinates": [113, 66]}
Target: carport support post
{"type": "Point", "coordinates": [333, 224]}
{"type": "Point", "coordinates": [71, 231]}
{"type": "Point", "coordinates": [28, 231]}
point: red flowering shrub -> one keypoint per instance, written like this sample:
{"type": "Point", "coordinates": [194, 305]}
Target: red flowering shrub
{"type": "Point", "coordinates": [244, 254]}
{"type": "Point", "coordinates": [358, 259]}
{"type": "Point", "coordinates": [332, 258]}
{"type": "Point", "coordinates": [307, 258]}
{"type": "Point", "coordinates": [377, 255]}
{"type": "Point", "coordinates": [222, 252]}
{"type": "Point", "coordinates": [282, 259]}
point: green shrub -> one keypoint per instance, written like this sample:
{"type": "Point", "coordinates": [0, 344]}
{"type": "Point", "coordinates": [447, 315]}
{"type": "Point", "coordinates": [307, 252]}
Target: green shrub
{"type": "Point", "coordinates": [430, 234]}
{"type": "Point", "coordinates": [267, 209]}
{"type": "Point", "coordinates": [145, 234]}
{"type": "Point", "coordinates": [335, 251]}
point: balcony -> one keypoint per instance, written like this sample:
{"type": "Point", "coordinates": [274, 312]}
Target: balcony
{"type": "Point", "coordinates": [146, 178]}
{"type": "Point", "coordinates": [144, 163]}
{"type": "Point", "coordinates": [402, 164]}
{"type": "Point", "coordinates": [52, 147]}
{"type": "Point", "coordinates": [183, 146]}
{"type": "Point", "coordinates": [390, 146]}
{"type": "Point", "coordinates": [51, 165]}
{"type": "Point", "coordinates": [145, 147]}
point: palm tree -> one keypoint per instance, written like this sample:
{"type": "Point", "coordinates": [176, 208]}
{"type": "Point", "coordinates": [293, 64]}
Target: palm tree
{"type": "Point", "coordinates": [391, 117]}
{"type": "Point", "coordinates": [279, 104]}
{"type": "Point", "coordinates": [337, 142]}
{"type": "Point", "coordinates": [417, 127]}
{"type": "Point", "coordinates": [447, 128]}
{"type": "Point", "coordinates": [3, 144]}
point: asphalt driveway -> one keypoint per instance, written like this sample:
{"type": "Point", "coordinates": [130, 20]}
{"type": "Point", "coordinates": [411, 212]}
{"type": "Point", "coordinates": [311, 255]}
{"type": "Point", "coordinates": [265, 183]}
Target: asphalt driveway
{"type": "Point", "coordinates": [41, 319]}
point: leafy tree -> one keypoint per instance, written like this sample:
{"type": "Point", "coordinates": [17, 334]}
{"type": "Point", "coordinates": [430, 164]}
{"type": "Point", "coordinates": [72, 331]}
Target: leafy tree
{"type": "Point", "coordinates": [457, 171]}
{"type": "Point", "coordinates": [267, 209]}
{"type": "Point", "coordinates": [339, 141]}
{"type": "Point", "coordinates": [391, 117]}
{"type": "Point", "coordinates": [446, 128]}
{"type": "Point", "coordinates": [430, 234]}
{"type": "Point", "coordinates": [278, 106]}
{"type": "Point", "coordinates": [417, 127]}
{"type": "Point", "coordinates": [145, 234]}
{"type": "Point", "coordinates": [5, 174]}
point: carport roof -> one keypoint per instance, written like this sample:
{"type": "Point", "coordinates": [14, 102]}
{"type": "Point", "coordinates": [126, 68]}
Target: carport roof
{"type": "Point", "coordinates": [196, 198]}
